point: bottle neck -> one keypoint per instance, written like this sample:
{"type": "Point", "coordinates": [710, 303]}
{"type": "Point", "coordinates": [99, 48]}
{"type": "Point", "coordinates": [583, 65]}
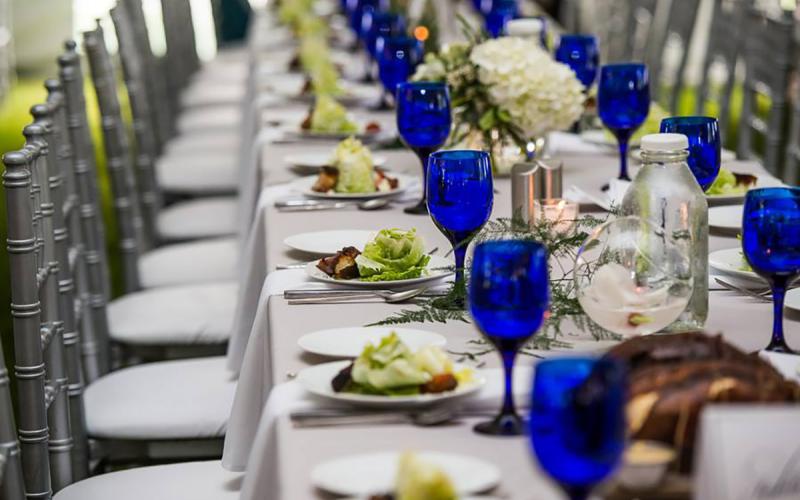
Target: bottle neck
{"type": "Point", "coordinates": [674, 156]}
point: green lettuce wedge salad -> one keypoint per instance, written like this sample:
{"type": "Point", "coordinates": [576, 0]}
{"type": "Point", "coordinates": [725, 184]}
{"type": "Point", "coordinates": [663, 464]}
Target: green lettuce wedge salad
{"type": "Point", "coordinates": [418, 479]}
{"type": "Point", "coordinates": [330, 117]}
{"type": "Point", "coordinates": [728, 183]}
{"type": "Point", "coordinates": [393, 255]}
{"type": "Point", "coordinates": [391, 369]}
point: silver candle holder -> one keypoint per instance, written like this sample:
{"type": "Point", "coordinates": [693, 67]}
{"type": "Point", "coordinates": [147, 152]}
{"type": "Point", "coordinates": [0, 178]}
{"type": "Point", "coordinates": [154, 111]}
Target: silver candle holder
{"type": "Point", "coordinates": [532, 183]}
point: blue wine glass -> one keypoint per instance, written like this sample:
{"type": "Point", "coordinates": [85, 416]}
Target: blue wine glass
{"type": "Point", "coordinates": [704, 145]}
{"type": "Point", "coordinates": [357, 11]}
{"type": "Point", "coordinates": [460, 195]}
{"type": "Point", "coordinates": [509, 293]}
{"type": "Point", "coordinates": [423, 121]}
{"type": "Point", "coordinates": [577, 422]}
{"type": "Point", "coordinates": [581, 53]}
{"type": "Point", "coordinates": [383, 24]}
{"type": "Point", "coordinates": [623, 101]}
{"type": "Point", "coordinates": [771, 245]}
{"type": "Point", "coordinates": [500, 12]}
{"type": "Point", "coordinates": [398, 57]}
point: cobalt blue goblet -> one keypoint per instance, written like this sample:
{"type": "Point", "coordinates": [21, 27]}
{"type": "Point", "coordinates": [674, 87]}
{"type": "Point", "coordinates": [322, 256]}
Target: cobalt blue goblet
{"type": "Point", "coordinates": [771, 245]}
{"type": "Point", "coordinates": [460, 195]}
{"type": "Point", "coordinates": [623, 102]}
{"type": "Point", "coordinates": [577, 422]}
{"type": "Point", "coordinates": [500, 12]}
{"type": "Point", "coordinates": [580, 52]}
{"type": "Point", "coordinates": [383, 24]}
{"type": "Point", "coordinates": [508, 295]}
{"type": "Point", "coordinates": [423, 121]}
{"type": "Point", "coordinates": [398, 57]}
{"type": "Point", "coordinates": [357, 10]}
{"type": "Point", "coordinates": [704, 145]}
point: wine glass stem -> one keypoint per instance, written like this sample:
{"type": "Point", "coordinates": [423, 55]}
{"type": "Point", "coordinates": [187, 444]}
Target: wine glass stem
{"type": "Point", "coordinates": [778, 343]}
{"type": "Point", "coordinates": [623, 136]}
{"type": "Point", "coordinates": [423, 154]}
{"type": "Point", "coordinates": [460, 252]}
{"type": "Point", "coordinates": [508, 371]}
{"type": "Point", "coordinates": [577, 492]}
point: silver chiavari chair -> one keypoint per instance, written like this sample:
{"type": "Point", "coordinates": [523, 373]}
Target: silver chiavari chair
{"type": "Point", "coordinates": [769, 60]}
{"type": "Point", "coordinates": [94, 289]}
{"type": "Point", "coordinates": [725, 46]}
{"type": "Point", "coordinates": [130, 224]}
{"type": "Point", "coordinates": [638, 28]}
{"type": "Point", "coordinates": [791, 167]}
{"type": "Point", "coordinates": [11, 480]}
{"type": "Point", "coordinates": [668, 48]}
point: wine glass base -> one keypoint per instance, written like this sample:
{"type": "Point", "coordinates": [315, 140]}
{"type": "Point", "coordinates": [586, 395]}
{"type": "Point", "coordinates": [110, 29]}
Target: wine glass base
{"type": "Point", "coordinates": [502, 425]}
{"type": "Point", "coordinates": [780, 347]}
{"type": "Point", "coordinates": [420, 208]}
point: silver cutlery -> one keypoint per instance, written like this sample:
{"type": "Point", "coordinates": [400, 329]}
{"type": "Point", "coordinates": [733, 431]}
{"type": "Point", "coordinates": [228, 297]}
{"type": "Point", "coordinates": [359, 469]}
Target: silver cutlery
{"type": "Point", "coordinates": [314, 205]}
{"type": "Point", "coordinates": [423, 418]}
{"type": "Point", "coordinates": [387, 295]}
{"type": "Point", "coordinates": [759, 294]}
{"type": "Point", "coordinates": [296, 265]}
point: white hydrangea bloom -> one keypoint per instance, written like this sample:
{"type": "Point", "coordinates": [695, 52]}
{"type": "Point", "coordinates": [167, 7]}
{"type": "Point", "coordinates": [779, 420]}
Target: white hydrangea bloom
{"type": "Point", "coordinates": [540, 94]}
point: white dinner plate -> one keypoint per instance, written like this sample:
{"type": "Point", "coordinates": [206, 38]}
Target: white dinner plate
{"type": "Point", "coordinates": [290, 86]}
{"type": "Point", "coordinates": [375, 473]}
{"type": "Point", "coordinates": [728, 218]}
{"type": "Point", "coordinates": [350, 342]}
{"type": "Point", "coordinates": [316, 160]}
{"type": "Point", "coordinates": [792, 300]}
{"type": "Point", "coordinates": [329, 242]}
{"type": "Point", "coordinates": [305, 184]}
{"type": "Point", "coordinates": [730, 261]}
{"type": "Point", "coordinates": [438, 268]}
{"type": "Point", "coordinates": [598, 137]}
{"type": "Point", "coordinates": [317, 380]}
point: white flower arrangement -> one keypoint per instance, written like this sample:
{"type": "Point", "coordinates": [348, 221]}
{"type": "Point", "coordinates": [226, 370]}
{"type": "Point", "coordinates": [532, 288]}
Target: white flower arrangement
{"type": "Point", "coordinates": [506, 91]}
{"type": "Point", "coordinates": [540, 94]}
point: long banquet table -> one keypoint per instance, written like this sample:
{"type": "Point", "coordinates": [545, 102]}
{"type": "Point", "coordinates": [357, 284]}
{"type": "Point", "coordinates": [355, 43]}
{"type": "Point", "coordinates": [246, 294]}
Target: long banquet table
{"type": "Point", "coordinates": [279, 457]}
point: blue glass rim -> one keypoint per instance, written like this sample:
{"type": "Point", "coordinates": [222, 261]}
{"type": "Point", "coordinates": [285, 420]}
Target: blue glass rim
{"type": "Point", "coordinates": [424, 85]}
{"type": "Point", "coordinates": [689, 120]}
{"type": "Point", "coordinates": [624, 66]}
{"type": "Point", "coordinates": [459, 155]}
{"type": "Point", "coordinates": [534, 245]}
{"type": "Point", "coordinates": [582, 37]}
{"type": "Point", "coordinates": [773, 192]}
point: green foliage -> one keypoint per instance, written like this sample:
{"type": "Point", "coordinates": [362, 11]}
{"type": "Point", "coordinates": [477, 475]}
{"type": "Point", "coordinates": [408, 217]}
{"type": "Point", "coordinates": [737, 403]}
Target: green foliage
{"type": "Point", "coordinates": [564, 305]}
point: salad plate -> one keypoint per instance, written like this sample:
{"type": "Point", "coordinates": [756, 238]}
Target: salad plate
{"type": "Point", "coordinates": [313, 161]}
{"type": "Point", "coordinates": [317, 380]}
{"type": "Point", "coordinates": [437, 268]}
{"type": "Point", "coordinates": [350, 342]}
{"type": "Point", "coordinates": [792, 302]}
{"type": "Point", "coordinates": [377, 473]}
{"type": "Point", "coordinates": [730, 261]}
{"type": "Point", "coordinates": [328, 242]}
{"type": "Point", "coordinates": [727, 218]}
{"type": "Point", "coordinates": [305, 186]}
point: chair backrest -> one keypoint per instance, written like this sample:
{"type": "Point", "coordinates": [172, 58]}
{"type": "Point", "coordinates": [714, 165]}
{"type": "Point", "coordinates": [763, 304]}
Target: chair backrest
{"type": "Point", "coordinates": [725, 46]}
{"type": "Point", "coordinates": [179, 32]}
{"type": "Point", "coordinates": [157, 89]}
{"type": "Point", "coordinates": [146, 141]}
{"type": "Point", "coordinates": [130, 226]}
{"type": "Point", "coordinates": [641, 20]}
{"type": "Point", "coordinates": [768, 55]}
{"type": "Point", "coordinates": [94, 289]}
{"type": "Point", "coordinates": [11, 481]}
{"type": "Point", "coordinates": [46, 344]}
{"type": "Point", "coordinates": [668, 48]}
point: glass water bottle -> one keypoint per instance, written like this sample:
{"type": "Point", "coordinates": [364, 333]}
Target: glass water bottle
{"type": "Point", "coordinates": [667, 194]}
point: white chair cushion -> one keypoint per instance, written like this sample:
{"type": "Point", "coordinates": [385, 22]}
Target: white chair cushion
{"type": "Point", "coordinates": [203, 261]}
{"type": "Point", "coordinates": [197, 173]}
{"type": "Point", "coordinates": [210, 117]}
{"type": "Point", "coordinates": [228, 143]}
{"type": "Point", "coordinates": [185, 399]}
{"type": "Point", "coordinates": [201, 218]}
{"type": "Point", "coordinates": [212, 93]}
{"type": "Point", "coordinates": [177, 315]}
{"type": "Point", "coordinates": [184, 481]}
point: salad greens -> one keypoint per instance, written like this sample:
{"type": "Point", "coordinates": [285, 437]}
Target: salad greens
{"type": "Point", "coordinates": [390, 368]}
{"type": "Point", "coordinates": [355, 165]}
{"type": "Point", "coordinates": [330, 117]}
{"type": "Point", "coordinates": [393, 255]}
{"type": "Point", "coordinates": [420, 480]}
{"type": "Point", "coordinates": [726, 184]}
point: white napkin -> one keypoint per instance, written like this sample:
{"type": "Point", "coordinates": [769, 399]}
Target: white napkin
{"type": "Point", "coordinates": [605, 200]}
{"type": "Point", "coordinates": [568, 143]}
{"type": "Point", "coordinates": [787, 364]}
